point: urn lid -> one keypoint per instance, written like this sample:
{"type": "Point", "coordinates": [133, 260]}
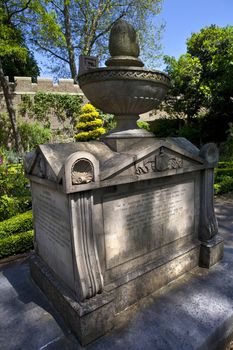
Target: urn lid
{"type": "Point", "coordinates": [123, 45]}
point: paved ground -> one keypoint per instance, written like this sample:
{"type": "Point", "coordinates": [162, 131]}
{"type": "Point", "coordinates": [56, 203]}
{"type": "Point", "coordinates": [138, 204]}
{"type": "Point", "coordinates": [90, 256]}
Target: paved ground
{"type": "Point", "coordinates": [194, 312]}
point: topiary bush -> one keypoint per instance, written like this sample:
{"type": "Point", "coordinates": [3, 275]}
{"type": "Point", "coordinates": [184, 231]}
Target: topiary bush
{"type": "Point", "coordinates": [90, 125]}
{"type": "Point", "coordinates": [15, 244]}
{"type": "Point", "coordinates": [16, 224]}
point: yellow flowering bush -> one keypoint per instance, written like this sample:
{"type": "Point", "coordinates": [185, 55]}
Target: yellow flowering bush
{"type": "Point", "coordinates": [90, 125]}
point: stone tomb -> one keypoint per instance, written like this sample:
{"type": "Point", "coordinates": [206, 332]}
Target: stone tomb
{"type": "Point", "coordinates": [112, 227]}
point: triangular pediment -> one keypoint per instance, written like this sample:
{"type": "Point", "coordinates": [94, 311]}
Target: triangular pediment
{"type": "Point", "coordinates": [149, 156]}
{"type": "Point", "coordinates": [36, 164]}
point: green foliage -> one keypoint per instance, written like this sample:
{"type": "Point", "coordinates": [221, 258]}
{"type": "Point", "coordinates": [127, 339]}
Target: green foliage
{"type": "Point", "coordinates": [202, 82]}
{"type": "Point", "coordinates": [165, 127]}
{"type": "Point", "coordinates": [10, 38]}
{"type": "Point", "coordinates": [185, 82]}
{"type": "Point", "coordinates": [5, 129]}
{"type": "Point", "coordinates": [220, 172]}
{"type": "Point", "coordinates": [224, 177]}
{"type": "Point", "coordinates": [227, 147]}
{"type": "Point", "coordinates": [16, 59]}
{"type": "Point", "coordinates": [109, 122]}
{"type": "Point", "coordinates": [143, 125]}
{"type": "Point", "coordinates": [64, 30]}
{"type": "Point", "coordinates": [16, 224]}
{"type": "Point", "coordinates": [224, 165]}
{"type": "Point", "coordinates": [224, 186]}
{"type": "Point", "coordinates": [33, 134]}
{"type": "Point", "coordinates": [14, 67]}
{"type": "Point", "coordinates": [10, 206]}
{"type": "Point", "coordinates": [45, 104]}
{"type": "Point", "coordinates": [89, 126]}
{"type": "Point", "coordinates": [14, 191]}
{"type": "Point", "coordinates": [15, 244]}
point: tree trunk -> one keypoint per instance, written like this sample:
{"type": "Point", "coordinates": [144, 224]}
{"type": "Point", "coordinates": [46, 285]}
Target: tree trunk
{"type": "Point", "coordinates": [68, 37]}
{"type": "Point", "coordinates": [10, 108]}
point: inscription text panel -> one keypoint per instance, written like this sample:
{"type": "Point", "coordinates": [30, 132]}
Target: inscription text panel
{"type": "Point", "coordinates": [143, 221]}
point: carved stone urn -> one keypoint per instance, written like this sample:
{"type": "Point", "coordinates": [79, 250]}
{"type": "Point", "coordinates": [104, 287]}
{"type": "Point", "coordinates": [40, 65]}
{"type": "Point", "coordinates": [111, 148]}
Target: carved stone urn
{"type": "Point", "coordinates": [124, 88]}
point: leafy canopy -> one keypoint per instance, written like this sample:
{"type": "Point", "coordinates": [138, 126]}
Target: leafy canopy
{"type": "Point", "coordinates": [203, 76]}
{"type": "Point", "coordinates": [64, 29]}
{"type": "Point", "coordinates": [16, 59]}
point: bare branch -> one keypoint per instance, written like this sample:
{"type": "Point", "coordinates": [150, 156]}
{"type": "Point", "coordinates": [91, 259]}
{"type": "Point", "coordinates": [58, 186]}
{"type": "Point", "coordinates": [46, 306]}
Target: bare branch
{"type": "Point", "coordinates": [20, 10]}
{"type": "Point", "coordinates": [56, 6]}
{"type": "Point", "coordinates": [50, 51]}
{"type": "Point", "coordinates": [106, 30]}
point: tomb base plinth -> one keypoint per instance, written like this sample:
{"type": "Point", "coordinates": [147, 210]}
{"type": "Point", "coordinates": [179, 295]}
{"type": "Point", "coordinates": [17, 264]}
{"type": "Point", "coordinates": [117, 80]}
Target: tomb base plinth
{"type": "Point", "coordinates": [114, 224]}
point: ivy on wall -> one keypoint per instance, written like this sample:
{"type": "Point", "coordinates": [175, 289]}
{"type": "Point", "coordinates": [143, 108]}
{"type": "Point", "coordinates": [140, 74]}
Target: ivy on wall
{"type": "Point", "coordinates": [43, 105]}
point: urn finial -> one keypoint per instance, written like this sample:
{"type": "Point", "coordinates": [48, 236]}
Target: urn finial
{"type": "Point", "coordinates": [123, 45]}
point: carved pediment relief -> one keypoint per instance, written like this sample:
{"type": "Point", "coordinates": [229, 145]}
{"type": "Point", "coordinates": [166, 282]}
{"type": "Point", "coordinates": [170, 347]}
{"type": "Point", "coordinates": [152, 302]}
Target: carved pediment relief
{"type": "Point", "coordinates": [150, 156]}
{"type": "Point", "coordinates": [161, 161]}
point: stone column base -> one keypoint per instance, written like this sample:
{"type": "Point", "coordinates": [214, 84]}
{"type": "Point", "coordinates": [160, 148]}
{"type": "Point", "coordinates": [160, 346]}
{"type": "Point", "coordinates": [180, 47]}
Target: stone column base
{"type": "Point", "coordinates": [211, 251]}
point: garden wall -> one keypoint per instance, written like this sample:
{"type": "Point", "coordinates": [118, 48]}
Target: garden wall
{"type": "Point", "coordinates": [25, 86]}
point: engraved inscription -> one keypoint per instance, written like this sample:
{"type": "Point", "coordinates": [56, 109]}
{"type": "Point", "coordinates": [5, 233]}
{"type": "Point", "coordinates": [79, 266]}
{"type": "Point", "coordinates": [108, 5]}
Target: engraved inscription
{"type": "Point", "coordinates": [142, 222]}
{"type": "Point", "coordinates": [52, 228]}
{"type": "Point", "coordinates": [49, 220]}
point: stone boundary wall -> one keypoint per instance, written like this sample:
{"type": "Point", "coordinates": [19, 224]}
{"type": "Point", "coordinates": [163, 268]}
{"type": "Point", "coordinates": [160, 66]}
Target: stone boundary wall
{"type": "Point", "coordinates": [24, 85]}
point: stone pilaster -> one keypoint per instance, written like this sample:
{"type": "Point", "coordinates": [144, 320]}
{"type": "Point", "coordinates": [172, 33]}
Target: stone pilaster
{"type": "Point", "coordinates": [211, 250]}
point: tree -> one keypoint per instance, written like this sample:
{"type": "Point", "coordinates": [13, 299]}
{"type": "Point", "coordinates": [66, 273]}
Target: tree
{"type": "Point", "coordinates": [202, 78]}
{"type": "Point", "coordinates": [64, 29]}
{"type": "Point", "coordinates": [14, 66]}
{"type": "Point", "coordinates": [12, 47]}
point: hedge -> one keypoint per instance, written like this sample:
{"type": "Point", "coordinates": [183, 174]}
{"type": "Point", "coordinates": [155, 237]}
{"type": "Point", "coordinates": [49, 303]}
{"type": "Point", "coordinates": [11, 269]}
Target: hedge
{"type": "Point", "coordinates": [219, 172]}
{"type": "Point", "coordinates": [222, 165]}
{"type": "Point", "coordinates": [15, 244]}
{"type": "Point", "coordinates": [16, 224]}
{"type": "Point", "coordinates": [223, 177]}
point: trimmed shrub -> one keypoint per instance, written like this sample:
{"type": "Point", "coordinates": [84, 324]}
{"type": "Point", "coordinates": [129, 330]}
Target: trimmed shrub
{"type": "Point", "coordinates": [16, 224]}
{"type": "Point", "coordinates": [89, 126]}
{"type": "Point", "coordinates": [222, 165]}
{"type": "Point", "coordinates": [15, 244]}
{"type": "Point", "coordinates": [223, 177]}
{"type": "Point", "coordinates": [219, 172]}
{"type": "Point", "coordinates": [14, 187]}
{"type": "Point", "coordinates": [225, 185]}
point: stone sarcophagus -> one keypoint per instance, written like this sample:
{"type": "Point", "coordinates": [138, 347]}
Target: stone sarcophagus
{"type": "Point", "coordinates": [111, 227]}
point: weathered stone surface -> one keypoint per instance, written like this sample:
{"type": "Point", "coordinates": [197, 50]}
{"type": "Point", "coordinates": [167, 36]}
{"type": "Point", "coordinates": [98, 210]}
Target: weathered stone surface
{"type": "Point", "coordinates": [123, 45]}
{"type": "Point", "coordinates": [211, 252]}
{"type": "Point", "coordinates": [146, 220]}
{"type": "Point", "coordinates": [118, 225]}
{"type": "Point", "coordinates": [88, 321]}
{"type": "Point", "coordinates": [52, 231]}
{"type": "Point", "coordinates": [96, 316]}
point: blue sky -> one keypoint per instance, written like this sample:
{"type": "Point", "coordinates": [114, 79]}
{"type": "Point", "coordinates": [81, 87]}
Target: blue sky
{"type": "Point", "coordinates": [183, 17]}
